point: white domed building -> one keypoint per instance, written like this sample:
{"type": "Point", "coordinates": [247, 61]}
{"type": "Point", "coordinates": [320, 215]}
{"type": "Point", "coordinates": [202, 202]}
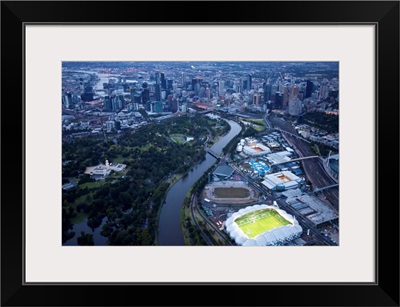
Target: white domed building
{"type": "Point", "coordinates": [250, 226]}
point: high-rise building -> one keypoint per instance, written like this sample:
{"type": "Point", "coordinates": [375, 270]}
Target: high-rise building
{"type": "Point", "coordinates": [146, 98]}
{"type": "Point", "coordinates": [256, 99]}
{"type": "Point", "coordinates": [183, 81]}
{"type": "Point", "coordinates": [174, 105]}
{"type": "Point", "coordinates": [67, 100]}
{"type": "Point", "coordinates": [137, 98]}
{"type": "Point", "coordinates": [208, 93]}
{"type": "Point", "coordinates": [267, 91]}
{"type": "Point", "coordinates": [285, 95]}
{"type": "Point", "coordinates": [196, 83]}
{"type": "Point", "coordinates": [107, 104]}
{"type": "Point", "coordinates": [221, 89]}
{"type": "Point", "coordinates": [249, 82]}
{"type": "Point", "coordinates": [309, 88]}
{"type": "Point", "coordinates": [278, 101]}
{"type": "Point", "coordinates": [323, 92]}
{"type": "Point", "coordinates": [294, 91]}
{"type": "Point", "coordinates": [157, 106]}
{"type": "Point", "coordinates": [295, 106]}
{"type": "Point", "coordinates": [163, 81]}
{"type": "Point", "coordinates": [157, 92]}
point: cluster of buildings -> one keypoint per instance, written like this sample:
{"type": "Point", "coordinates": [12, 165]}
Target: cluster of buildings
{"type": "Point", "coordinates": [102, 171]}
{"type": "Point", "coordinates": [319, 136]}
{"type": "Point", "coordinates": [270, 159]}
{"type": "Point", "coordinates": [174, 87]}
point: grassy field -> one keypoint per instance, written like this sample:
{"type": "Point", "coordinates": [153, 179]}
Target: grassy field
{"type": "Point", "coordinates": [259, 128]}
{"type": "Point", "coordinates": [178, 138]}
{"type": "Point", "coordinates": [231, 192]}
{"type": "Point", "coordinates": [93, 185]}
{"type": "Point", "coordinates": [257, 222]}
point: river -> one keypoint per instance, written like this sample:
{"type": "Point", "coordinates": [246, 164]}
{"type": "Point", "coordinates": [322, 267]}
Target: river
{"type": "Point", "coordinates": [169, 229]}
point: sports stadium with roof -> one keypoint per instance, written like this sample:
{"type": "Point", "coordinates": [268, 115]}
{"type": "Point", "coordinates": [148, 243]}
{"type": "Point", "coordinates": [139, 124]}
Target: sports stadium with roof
{"type": "Point", "coordinates": [262, 225]}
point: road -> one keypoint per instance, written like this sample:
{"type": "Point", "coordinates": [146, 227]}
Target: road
{"type": "Point", "coordinates": [193, 208]}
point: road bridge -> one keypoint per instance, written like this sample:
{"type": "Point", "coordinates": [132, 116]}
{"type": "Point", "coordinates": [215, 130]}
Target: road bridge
{"type": "Point", "coordinates": [294, 160]}
{"type": "Point", "coordinates": [214, 154]}
{"type": "Point", "coordinates": [326, 187]}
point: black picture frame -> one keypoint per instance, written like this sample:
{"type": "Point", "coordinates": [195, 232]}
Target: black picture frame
{"type": "Point", "coordinates": [383, 14]}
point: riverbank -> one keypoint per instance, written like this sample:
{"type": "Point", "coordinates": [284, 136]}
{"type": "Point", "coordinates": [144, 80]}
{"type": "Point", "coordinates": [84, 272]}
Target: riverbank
{"type": "Point", "coordinates": [170, 231]}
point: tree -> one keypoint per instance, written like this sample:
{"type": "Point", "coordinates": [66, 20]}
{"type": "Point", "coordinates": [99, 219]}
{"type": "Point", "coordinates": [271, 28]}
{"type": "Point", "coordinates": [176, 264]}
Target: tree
{"type": "Point", "coordinates": [85, 239]}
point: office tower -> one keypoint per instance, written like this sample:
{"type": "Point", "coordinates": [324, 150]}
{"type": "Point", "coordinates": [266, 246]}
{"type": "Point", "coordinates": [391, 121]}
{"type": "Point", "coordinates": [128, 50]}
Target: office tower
{"type": "Point", "coordinates": [156, 107]}
{"type": "Point", "coordinates": [267, 92]}
{"type": "Point", "coordinates": [245, 84]}
{"type": "Point", "coordinates": [294, 106]}
{"type": "Point", "coordinates": [122, 101]}
{"type": "Point", "coordinates": [196, 82]}
{"type": "Point", "coordinates": [67, 100]}
{"type": "Point", "coordinates": [163, 81]}
{"type": "Point", "coordinates": [146, 98]}
{"type": "Point", "coordinates": [294, 91]}
{"type": "Point", "coordinates": [183, 80]}
{"type": "Point", "coordinates": [169, 101]}
{"type": "Point", "coordinates": [137, 98]}
{"type": "Point", "coordinates": [221, 88]}
{"type": "Point", "coordinates": [256, 99]}
{"type": "Point", "coordinates": [157, 77]}
{"type": "Point", "coordinates": [169, 85]}
{"type": "Point", "coordinates": [278, 101]}
{"type": "Point", "coordinates": [285, 95]}
{"type": "Point", "coordinates": [133, 93]}
{"type": "Point", "coordinates": [174, 105]}
{"type": "Point", "coordinates": [249, 83]}
{"type": "Point", "coordinates": [309, 88]}
{"type": "Point", "coordinates": [323, 92]}
{"type": "Point", "coordinates": [208, 93]}
{"type": "Point", "coordinates": [87, 95]}
{"type": "Point", "coordinates": [157, 92]}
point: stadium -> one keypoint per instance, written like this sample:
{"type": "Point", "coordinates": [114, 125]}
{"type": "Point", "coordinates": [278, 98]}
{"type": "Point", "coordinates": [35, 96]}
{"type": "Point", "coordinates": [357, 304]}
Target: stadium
{"type": "Point", "coordinates": [262, 225]}
{"type": "Point", "coordinates": [254, 148]}
{"type": "Point", "coordinates": [230, 192]}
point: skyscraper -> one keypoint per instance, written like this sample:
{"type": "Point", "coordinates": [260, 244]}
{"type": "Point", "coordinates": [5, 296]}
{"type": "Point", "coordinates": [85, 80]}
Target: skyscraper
{"type": "Point", "coordinates": [267, 91]}
{"type": "Point", "coordinates": [183, 80]}
{"type": "Point", "coordinates": [309, 88]}
{"type": "Point", "coordinates": [157, 92]}
{"type": "Point", "coordinates": [294, 106]}
{"type": "Point", "coordinates": [278, 101]}
{"type": "Point", "coordinates": [221, 88]}
{"type": "Point", "coordinates": [146, 98]}
{"type": "Point", "coordinates": [256, 99]}
{"type": "Point", "coordinates": [249, 83]}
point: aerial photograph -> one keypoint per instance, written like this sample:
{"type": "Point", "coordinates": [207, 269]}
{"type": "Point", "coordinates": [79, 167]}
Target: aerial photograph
{"type": "Point", "coordinates": [200, 153]}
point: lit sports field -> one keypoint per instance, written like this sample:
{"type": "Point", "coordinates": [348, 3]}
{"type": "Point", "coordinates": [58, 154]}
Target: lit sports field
{"type": "Point", "coordinates": [231, 192]}
{"type": "Point", "coordinates": [257, 222]}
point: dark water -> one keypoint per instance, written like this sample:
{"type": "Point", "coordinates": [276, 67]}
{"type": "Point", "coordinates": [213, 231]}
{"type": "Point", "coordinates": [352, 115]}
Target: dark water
{"type": "Point", "coordinates": [169, 230]}
{"type": "Point", "coordinates": [98, 239]}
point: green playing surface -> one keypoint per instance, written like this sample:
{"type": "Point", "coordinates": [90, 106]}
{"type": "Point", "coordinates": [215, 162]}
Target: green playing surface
{"type": "Point", "coordinates": [257, 222]}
